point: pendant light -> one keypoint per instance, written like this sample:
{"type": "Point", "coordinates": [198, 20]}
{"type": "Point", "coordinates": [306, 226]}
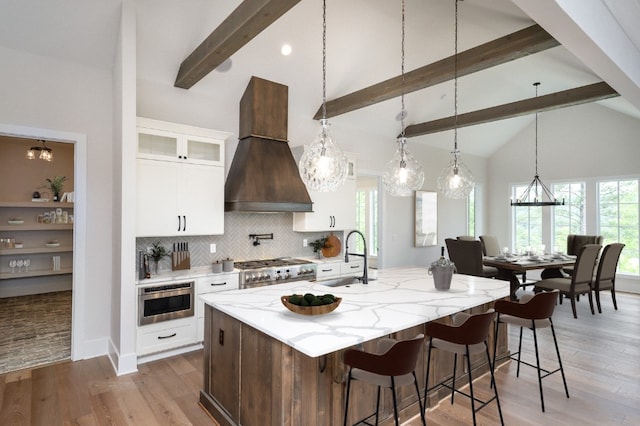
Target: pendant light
{"type": "Point", "coordinates": [323, 166]}
{"type": "Point", "coordinates": [45, 153]}
{"type": "Point", "coordinates": [537, 193]}
{"type": "Point", "coordinates": [456, 180]}
{"type": "Point", "coordinates": [403, 174]}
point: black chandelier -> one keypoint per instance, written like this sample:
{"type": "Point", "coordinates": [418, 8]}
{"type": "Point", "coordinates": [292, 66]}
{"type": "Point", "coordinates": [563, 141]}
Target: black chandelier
{"type": "Point", "coordinates": [537, 193]}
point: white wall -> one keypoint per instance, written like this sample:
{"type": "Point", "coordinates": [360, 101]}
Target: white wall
{"type": "Point", "coordinates": [39, 92]}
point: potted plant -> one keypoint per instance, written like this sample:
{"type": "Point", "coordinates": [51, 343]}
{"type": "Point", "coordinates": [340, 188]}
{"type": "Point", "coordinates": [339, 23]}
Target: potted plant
{"type": "Point", "coordinates": [157, 253]}
{"type": "Point", "coordinates": [318, 245]}
{"type": "Point", "coordinates": [56, 184]}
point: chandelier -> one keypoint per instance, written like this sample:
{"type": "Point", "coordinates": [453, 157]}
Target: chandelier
{"type": "Point", "coordinates": [43, 152]}
{"type": "Point", "coordinates": [456, 180]}
{"type": "Point", "coordinates": [537, 193]}
{"type": "Point", "coordinates": [323, 166]}
{"type": "Point", "coordinates": [403, 174]}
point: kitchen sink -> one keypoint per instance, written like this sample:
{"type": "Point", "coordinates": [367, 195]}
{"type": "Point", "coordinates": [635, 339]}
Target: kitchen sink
{"type": "Point", "coordinates": [339, 282]}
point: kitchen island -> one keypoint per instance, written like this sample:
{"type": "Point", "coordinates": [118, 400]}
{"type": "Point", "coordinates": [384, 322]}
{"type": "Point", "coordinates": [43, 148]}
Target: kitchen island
{"type": "Point", "coordinates": [267, 365]}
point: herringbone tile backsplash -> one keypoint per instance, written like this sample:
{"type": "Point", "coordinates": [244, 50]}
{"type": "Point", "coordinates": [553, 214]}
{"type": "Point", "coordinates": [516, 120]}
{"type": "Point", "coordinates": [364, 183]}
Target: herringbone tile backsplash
{"type": "Point", "coordinates": [236, 244]}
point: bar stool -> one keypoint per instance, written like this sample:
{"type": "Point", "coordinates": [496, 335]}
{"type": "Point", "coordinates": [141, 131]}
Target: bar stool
{"type": "Point", "coordinates": [392, 365]}
{"type": "Point", "coordinates": [532, 312]}
{"type": "Point", "coordinates": [467, 336]}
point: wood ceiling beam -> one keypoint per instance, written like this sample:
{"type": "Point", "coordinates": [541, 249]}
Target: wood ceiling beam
{"type": "Point", "coordinates": [516, 45]}
{"type": "Point", "coordinates": [247, 21]}
{"type": "Point", "coordinates": [580, 95]}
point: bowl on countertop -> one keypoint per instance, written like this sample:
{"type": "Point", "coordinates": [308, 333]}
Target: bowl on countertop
{"type": "Point", "coordinates": [310, 310]}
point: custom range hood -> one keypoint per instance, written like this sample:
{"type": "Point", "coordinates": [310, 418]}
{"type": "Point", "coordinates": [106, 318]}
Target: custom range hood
{"type": "Point", "coordinates": [264, 176]}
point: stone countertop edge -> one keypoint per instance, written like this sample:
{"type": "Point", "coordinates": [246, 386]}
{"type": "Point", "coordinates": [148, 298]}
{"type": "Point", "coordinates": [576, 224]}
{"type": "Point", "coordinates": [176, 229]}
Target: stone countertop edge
{"type": "Point", "coordinates": [399, 299]}
{"type": "Point", "coordinates": [184, 275]}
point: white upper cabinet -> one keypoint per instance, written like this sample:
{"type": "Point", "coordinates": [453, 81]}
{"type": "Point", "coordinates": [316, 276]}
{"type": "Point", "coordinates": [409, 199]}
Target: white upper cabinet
{"type": "Point", "coordinates": [180, 180]}
{"type": "Point", "coordinates": [331, 210]}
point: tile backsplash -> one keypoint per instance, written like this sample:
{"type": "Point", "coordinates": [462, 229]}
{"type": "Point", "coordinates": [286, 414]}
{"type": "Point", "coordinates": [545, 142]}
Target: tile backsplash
{"type": "Point", "coordinates": [236, 244]}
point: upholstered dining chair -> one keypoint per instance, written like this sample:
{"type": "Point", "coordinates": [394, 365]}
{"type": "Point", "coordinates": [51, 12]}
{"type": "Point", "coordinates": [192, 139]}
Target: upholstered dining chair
{"type": "Point", "coordinates": [393, 364]}
{"type": "Point", "coordinates": [606, 276]}
{"type": "Point", "coordinates": [577, 284]}
{"type": "Point", "coordinates": [574, 243]}
{"type": "Point", "coordinates": [490, 245]}
{"type": "Point", "coordinates": [467, 256]}
{"type": "Point", "coordinates": [466, 238]}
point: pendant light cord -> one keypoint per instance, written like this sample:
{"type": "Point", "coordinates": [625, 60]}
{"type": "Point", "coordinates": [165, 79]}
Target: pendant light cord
{"type": "Point", "coordinates": [402, 111]}
{"type": "Point", "coordinates": [536, 85]}
{"type": "Point", "coordinates": [455, 85]}
{"type": "Point", "coordinates": [324, 60]}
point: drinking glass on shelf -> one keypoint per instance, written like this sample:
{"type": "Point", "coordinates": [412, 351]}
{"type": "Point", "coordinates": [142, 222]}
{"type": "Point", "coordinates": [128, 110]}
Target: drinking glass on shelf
{"type": "Point", "coordinates": [27, 263]}
{"type": "Point", "coordinates": [19, 264]}
{"type": "Point", "coordinates": [12, 265]}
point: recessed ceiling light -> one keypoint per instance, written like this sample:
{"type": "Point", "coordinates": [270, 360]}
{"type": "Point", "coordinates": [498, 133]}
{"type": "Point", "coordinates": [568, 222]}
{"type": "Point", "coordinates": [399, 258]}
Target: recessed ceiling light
{"type": "Point", "coordinates": [285, 50]}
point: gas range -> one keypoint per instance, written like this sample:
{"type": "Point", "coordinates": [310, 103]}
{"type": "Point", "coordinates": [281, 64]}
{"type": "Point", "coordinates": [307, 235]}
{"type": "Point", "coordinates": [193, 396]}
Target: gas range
{"type": "Point", "coordinates": [258, 273]}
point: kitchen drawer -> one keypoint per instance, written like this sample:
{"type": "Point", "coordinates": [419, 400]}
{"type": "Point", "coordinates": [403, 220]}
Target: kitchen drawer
{"type": "Point", "coordinates": [352, 268]}
{"type": "Point", "coordinates": [166, 335]}
{"type": "Point", "coordinates": [327, 270]}
{"type": "Point", "coordinates": [220, 282]}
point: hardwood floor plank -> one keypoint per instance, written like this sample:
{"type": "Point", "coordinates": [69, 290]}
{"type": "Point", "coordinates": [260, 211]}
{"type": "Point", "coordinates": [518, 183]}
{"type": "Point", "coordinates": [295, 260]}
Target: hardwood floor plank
{"type": "Point", "coordinates": [600, 354]}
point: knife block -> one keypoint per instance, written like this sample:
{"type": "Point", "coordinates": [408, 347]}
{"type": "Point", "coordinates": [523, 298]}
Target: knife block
{"type": "Point", "coordinates": [180, 260]}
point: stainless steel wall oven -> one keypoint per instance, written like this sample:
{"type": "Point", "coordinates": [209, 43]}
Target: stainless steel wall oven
{"type": "Point", "coordinates": [165, 302]}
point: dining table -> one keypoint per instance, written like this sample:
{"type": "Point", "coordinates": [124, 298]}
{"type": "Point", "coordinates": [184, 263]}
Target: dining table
{"type": "Point", "coordinates": [510, 266]}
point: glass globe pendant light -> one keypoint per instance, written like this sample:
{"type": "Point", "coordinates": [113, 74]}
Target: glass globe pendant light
{"type": "Point", "coordinates": [323, 166]}
{"type": "Point", "coordinates": [403, 174]}
{"type": "Point", "coordinates": [456, 180]}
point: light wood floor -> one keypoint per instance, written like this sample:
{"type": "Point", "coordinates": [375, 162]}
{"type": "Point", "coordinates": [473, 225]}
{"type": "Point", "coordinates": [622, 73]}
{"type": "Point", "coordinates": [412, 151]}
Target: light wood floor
{"type": "Point", "coordinates": [601, 355]}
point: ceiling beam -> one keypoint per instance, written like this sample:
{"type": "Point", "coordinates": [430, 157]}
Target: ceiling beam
{"type": "Point", "coordinates": [516, 45]}
{"type": "Point", "coordinates": [580, 95]}
{"type": "Point", "coordinates": [247, 21]}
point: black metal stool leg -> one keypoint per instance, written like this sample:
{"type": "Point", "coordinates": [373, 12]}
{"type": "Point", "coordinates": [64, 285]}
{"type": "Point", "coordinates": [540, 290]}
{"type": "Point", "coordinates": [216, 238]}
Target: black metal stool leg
{"type": "Point", "coordinates": [535, 344]}
{"type": "Point", "coordinates": [519, 352]}
{"type": "Point", "coordinates": [493, 384]}
{"type": "Point", "coordinates": [415, 382]}
{"type": "Point", "coordinates": [473, 400]}
{"type": "Point", "coordinates": [453, 383]}
{"type": "Point", "coordinates": [395, 403]}
{"type": "Point", "coordinates": [555, 341]}
{"type": "Point", "coordinates": [426, 380]}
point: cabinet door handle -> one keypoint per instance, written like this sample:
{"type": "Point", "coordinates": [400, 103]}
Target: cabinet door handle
{"type": "Point", "coordinates": [221, 337]}
{"type": "Point", "coordinates": [179, 223]}
{"type": "Point", "coordinates": [167, 337]}
{"type": "Point", "coordinates": [215, 284]}
{"type": "Point", "coordinates": [184, 223]}
{"type": "Point", "coordinates": [355, 266]}
{"type": "Point", "coordinates": [327, 270]}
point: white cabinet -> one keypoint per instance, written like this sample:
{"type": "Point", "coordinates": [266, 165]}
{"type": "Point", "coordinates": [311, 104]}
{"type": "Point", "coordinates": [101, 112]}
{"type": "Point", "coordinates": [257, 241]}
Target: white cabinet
{"type": "Point", "coordinates": [180, 181]}
{"type": "Point", "coordinates": [339, 268]}
{"type": "Point", "coordinates": [327, 270]}
{"type": "Point", "coordinates": [331, 210]}
{"type": "Point", "coordinates": [355, 267]}
{"type": "Point", "coordinates": [212, 284]}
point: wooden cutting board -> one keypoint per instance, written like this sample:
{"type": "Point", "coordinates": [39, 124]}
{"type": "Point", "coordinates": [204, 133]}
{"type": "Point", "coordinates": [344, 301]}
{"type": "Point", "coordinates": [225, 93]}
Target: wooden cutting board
{"type": "Point", "coordinates": [334, 246]}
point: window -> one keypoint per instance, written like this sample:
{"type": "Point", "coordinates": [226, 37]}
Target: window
{"type": "Point", "coordinates": [471, 212]}
{"type": "Point", "coordinates": [570, 218]}
{"type": "Point", "coordinates": [619, 220]}
{"type": "Point", "coordinates": [527, 224]}
{"type": "Point", "coordinates": [367, 215]}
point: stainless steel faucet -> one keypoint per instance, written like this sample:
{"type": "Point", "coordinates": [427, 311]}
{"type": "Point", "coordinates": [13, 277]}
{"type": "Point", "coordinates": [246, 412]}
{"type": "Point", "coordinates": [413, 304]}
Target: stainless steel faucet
{"type": "Point", "coordinates": [365, 275]}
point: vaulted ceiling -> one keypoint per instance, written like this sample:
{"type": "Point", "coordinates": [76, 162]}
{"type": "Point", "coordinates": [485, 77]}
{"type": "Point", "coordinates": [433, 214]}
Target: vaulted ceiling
{"type": "Point", "coordinates": [363, 49]}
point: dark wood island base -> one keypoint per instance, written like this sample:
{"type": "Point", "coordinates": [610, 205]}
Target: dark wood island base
{"type": "Point", "coordinates": [252, 379]}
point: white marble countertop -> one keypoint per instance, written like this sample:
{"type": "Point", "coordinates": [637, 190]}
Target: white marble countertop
{"type": "Point", "coordinates": [399, 299]}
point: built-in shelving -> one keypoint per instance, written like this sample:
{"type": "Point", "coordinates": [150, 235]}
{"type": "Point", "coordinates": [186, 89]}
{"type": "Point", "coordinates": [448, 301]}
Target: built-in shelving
{"type": "Point", "coordinates": [34, 273]}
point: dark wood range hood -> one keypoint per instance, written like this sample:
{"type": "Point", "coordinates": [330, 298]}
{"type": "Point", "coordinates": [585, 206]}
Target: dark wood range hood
{"type": "Point", "coordinates": [264, 176]}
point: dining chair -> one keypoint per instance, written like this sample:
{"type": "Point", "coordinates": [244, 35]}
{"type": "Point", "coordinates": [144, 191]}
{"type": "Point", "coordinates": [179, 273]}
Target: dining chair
{"type": "Point", "coordinates": [606, 276]}
{"type": "Point", "coordinates": [465, 337]}
{"type": "Point", "coordinates": [574, 243]}
{"type": "Point", "coordinates": [532, 311]}
{"type": "Point", "coordinates": [467, 256]}
{"type": "Point", "coordinates": [490, 245]}
{"type": "Point", "coordinates": [466, 238]}
{"type": "Point", "coordinates": [581, 280]}
{"type": "Point", "coordinates": [393, 364]}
